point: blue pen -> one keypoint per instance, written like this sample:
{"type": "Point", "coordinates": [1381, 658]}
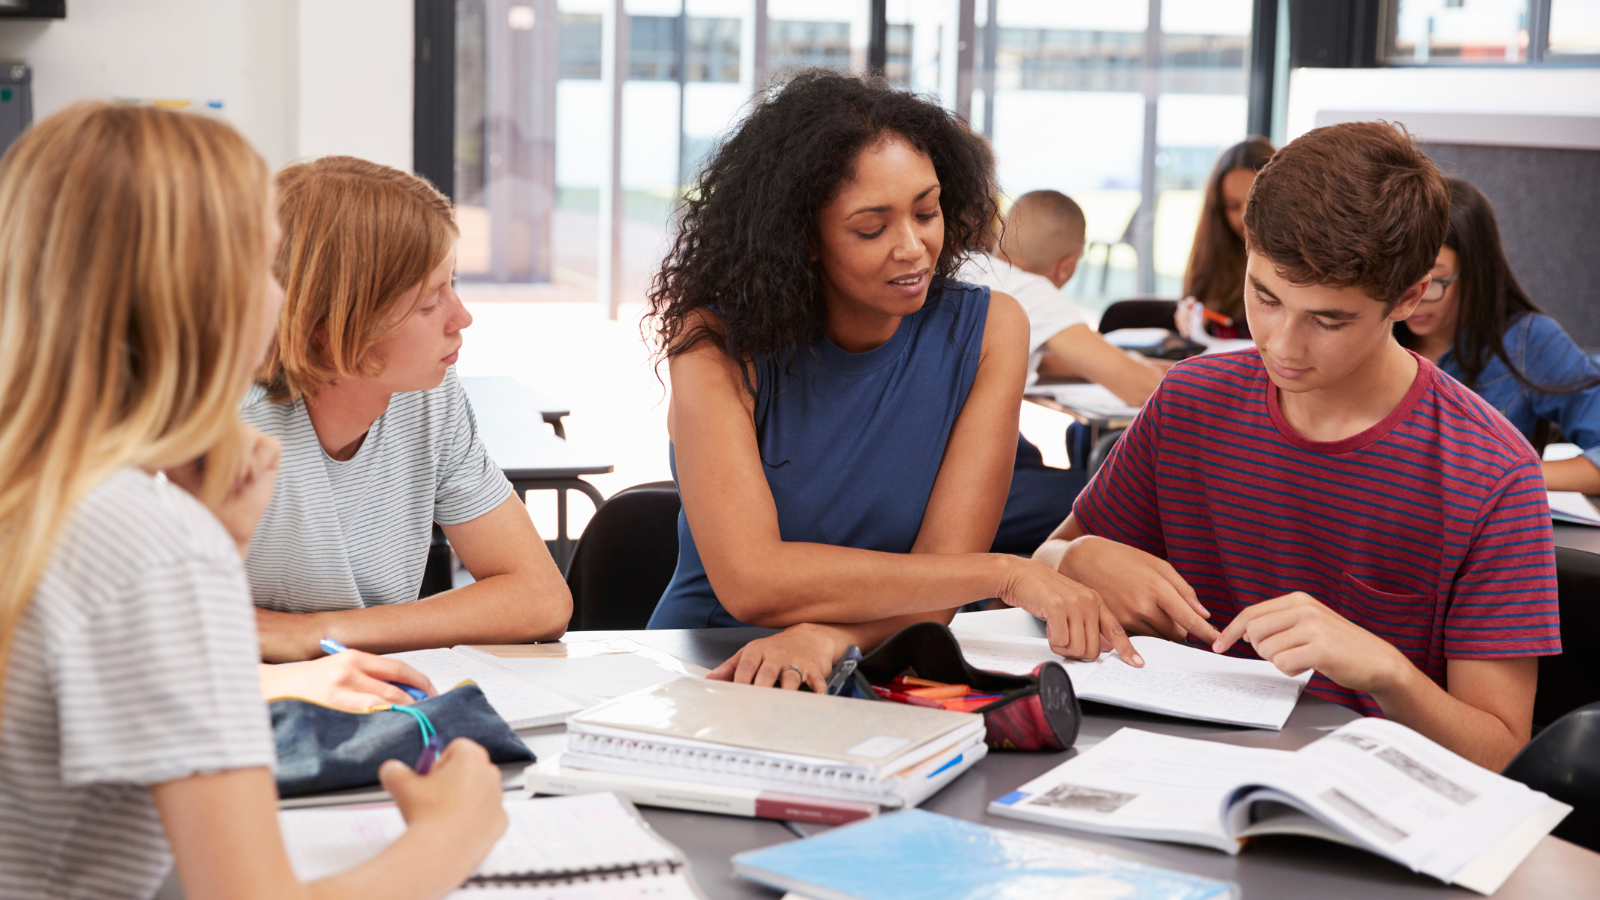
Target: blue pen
{"type": "Point", "coordinates": [430, 752]}
{"type": "Point", "coordinates": [331, 646]}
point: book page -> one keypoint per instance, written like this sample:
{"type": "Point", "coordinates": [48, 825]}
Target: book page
{"type": "Point", "coordinates": [1571, 506]}
{"type": "Point", "coordinates": [1410, 798]}
{"type": "Point", "coordinates": [521, 703]}
{"type": "Point", "coordinates": [593, 678]}
{"type": "Point", "coordinates": [1141, 784]}
{"type": "Point", "coordinates": [1176, 679]}
{"type": "Point", "coordinates": [545, 836]}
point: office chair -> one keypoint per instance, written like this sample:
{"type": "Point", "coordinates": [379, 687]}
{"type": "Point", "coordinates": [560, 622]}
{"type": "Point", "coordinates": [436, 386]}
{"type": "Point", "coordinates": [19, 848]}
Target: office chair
{"type": "Point", "coordinates": [1564, 762]}
{"type": "Point", "coordinates": [625, 558]}
{"type": "Point", "coordinates": [1572, 679]}
{"type": "Point", "coordinates": [436, 575]}
{"type": "Point", "coordinates": [1140, 312]}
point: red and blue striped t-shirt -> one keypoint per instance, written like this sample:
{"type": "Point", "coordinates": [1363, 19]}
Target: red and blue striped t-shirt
{"type": "Point", "coordinates": [1430, 529]}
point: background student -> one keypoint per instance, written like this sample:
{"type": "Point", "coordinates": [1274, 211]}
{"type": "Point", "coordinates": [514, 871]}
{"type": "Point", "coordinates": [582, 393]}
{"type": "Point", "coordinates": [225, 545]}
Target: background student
{"type": "Point", "coordinates": [843, 413]}
{"type": "Point", "coordinates": [1330, 497]}
{"type": "Point", "coordinates": [1478, 324]}
{"type": "Point", "coordinates": [1214, 277]}
{"type": "Point", "coordinates": [1041, 243]}
{"type": "Point", "coordinates": [378, 438]}
{"type": "Point", "coordinates": [137, 244]}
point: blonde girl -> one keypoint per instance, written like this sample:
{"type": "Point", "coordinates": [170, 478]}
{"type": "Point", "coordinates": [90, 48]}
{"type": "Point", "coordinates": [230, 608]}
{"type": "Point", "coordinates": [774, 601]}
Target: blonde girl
{"type": "Point", "coordinates": [136, 298]}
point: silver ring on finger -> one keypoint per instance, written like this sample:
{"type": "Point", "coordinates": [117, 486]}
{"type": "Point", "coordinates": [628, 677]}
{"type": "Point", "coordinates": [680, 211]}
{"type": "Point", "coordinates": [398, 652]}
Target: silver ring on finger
{"type": "Point", "coordinates": [797, 671]}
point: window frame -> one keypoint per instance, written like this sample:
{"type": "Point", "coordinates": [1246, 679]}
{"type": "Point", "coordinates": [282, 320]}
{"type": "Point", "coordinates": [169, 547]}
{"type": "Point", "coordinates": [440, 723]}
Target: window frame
{"type": "Point", "coordinates": [1539, 55]}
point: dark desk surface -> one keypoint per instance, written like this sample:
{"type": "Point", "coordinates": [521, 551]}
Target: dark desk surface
{"type": "Point", "coordinates": [1302, 868]}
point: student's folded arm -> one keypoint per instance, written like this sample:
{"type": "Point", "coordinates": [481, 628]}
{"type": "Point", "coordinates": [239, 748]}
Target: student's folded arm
{"type": "Point", "coordinates": [1485, 716]}
{"type": "Point", "coordinates": [1094, 358]}
{"type": "Point", "coordinates": [518, 596]}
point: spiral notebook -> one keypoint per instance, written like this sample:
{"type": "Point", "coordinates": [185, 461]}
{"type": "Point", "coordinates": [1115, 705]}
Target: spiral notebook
{"type": "Point", "coordinates": [590, 846]}
{"type": "Point", "coordinates": [714, 731]}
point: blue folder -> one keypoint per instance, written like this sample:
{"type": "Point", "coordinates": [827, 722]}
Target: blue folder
{"type": "Point", "coordinates": [918, 855]}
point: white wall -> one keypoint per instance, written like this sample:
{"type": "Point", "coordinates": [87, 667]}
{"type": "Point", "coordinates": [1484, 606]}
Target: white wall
{"type": "Point", "coordinates": [1484, 89]}
{"type": "Point", "coordinates": [202, 50]}
{"type": "Point", "coordinates": [297, 77]}
{"type": "Point", "coordinates": [355, 79]}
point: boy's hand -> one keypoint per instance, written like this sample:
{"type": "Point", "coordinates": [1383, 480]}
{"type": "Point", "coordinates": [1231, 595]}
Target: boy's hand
{"type": "Point", "coordinates": [1144, 592]}
{"type": "Point", "coordinates": [1296, 632]}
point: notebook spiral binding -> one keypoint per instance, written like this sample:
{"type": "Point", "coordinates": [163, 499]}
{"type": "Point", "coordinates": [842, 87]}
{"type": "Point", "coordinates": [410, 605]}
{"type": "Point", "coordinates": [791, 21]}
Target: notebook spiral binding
{"type": "Point", "coordinates": [634, 870]}
{"type": "Point", "coordinates": [732, 764]}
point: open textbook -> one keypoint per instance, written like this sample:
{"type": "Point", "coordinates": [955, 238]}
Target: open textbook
{"type": "Point", "coordinates": [532, 686]}
{"type": "Point", "coordinates": [571, 848]}
{"type": "Point", "coordinates": [1573, 508]}
{"type": "Point", "coordinates": [1372, 784]}
{"type": "Point", "coordinates": [1176, 680]}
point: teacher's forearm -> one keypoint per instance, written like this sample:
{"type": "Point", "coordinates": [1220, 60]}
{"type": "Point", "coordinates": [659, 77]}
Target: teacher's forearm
{"type": "Point", "coordinates": [794, 582]}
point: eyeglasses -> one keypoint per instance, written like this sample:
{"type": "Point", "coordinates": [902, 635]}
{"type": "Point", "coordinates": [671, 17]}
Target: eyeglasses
{"type": "Point", "coordinates": [1437, 287]}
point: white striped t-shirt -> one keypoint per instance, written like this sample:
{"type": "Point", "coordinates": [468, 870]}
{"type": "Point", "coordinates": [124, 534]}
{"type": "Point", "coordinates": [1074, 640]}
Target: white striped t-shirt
{"type": "Point", "coordinates": [134, 664]}
{"type": "Point", "coordinates": [347, 535]}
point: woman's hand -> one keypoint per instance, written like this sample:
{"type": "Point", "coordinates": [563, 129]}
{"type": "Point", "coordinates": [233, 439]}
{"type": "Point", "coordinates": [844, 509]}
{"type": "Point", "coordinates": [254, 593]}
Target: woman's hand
{"type": "Point", "coordinates": [240, 509]}
{"type": "Point", "coordinates": [1144, 593]}
{"type": "Point", "coordinates": [1077, 624]}
{"type": "Point", "coordinates": [460, 801]}
{"type": "Point", "coordinates": [766, 662]}
{"type": "Point", "coordinates": [351, 680]}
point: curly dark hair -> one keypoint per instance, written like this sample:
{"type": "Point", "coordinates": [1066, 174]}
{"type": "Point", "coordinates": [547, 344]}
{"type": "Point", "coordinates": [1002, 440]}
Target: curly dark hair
{"type": "Point", "coordinates": [748, 228]}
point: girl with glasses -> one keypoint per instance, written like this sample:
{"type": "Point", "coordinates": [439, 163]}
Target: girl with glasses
{"type": "Point", "coordinates": [1480, 327]}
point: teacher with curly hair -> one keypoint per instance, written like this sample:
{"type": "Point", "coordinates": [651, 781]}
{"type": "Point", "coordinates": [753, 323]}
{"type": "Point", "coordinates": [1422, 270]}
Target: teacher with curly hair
{"type": "Point", "coordinates": [844, 413]}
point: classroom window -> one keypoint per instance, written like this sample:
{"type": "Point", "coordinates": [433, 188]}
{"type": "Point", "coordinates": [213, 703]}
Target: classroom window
{"type": "Point", "coordinates": [1478, 31]}
{"type": "Point", "coordinates": [1574, 28]}
{"type": "Point", "coordinates": [792, 46]}
{"type": "Point", "coordinates": [580, 45]}
{"type": "Point", "coordinates": [1492, 32]}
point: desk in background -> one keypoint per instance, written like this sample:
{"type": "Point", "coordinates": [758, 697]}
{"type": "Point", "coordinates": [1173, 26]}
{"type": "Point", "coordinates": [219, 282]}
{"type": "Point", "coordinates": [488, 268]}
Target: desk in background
{"type": "Point", "coordinates": [511, 417]}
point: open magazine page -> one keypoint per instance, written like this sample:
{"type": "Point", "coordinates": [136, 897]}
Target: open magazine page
{"type": "Point", "coordinates": [1176, 679]}
{"type": "Point", "coordinates": [1409, 798]}
{"type": "Point", "coordinates": [1139, 784]}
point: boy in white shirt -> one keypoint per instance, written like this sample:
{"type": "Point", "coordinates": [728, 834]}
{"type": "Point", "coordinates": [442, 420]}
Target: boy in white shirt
{"type": "Point", "coordinates": [1040, 246]}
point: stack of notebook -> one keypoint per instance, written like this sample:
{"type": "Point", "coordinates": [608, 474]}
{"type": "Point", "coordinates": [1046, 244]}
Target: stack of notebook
{"type": "Point", "coordinates": [721, 747]}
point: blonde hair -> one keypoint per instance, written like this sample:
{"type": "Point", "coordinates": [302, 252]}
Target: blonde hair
{"type": "Point", "coordinates": [357, 237]}
{"type": "Point", "coordinates": [133, 262]}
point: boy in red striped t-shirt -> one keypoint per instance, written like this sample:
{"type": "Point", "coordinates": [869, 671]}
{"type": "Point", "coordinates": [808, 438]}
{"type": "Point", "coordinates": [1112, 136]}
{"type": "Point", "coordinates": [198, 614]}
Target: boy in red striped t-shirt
{"type": "Point", "coordinates": [1330, 497]}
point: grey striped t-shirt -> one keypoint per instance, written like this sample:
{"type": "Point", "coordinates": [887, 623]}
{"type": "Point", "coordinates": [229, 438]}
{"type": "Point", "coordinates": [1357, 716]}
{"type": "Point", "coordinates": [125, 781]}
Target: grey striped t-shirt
{"type": "Point", "coordinates": [134, 664]}
{"type": "Point", "coordinates": [347, 535]}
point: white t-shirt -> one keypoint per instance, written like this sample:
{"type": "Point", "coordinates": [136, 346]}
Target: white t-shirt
{"type": "Point", "coordinates": [352, 534]}
{"type": "Point", "coordinates": [1049, 311]}
{"type": "Point", "coordinates": [134, 664]}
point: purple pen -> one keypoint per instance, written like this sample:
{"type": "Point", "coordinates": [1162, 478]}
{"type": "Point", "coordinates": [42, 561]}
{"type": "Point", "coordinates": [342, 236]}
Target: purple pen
{"type": "Point", "coordinates": [430, 752]}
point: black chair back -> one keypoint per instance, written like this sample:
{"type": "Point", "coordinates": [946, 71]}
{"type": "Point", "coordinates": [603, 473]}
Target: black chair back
{"type": "Point", "coordinates": [625, 558]}
{"type": "Point", "coordinates": [1572, 680]}
{"type": "Point", "coordinates": [1140, 312]}
{"type": "Point", "coordinates": [1564, 762]}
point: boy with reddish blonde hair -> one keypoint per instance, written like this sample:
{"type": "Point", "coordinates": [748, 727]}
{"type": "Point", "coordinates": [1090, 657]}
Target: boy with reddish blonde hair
{"type": "Point", "coordinates": [1330, 498]}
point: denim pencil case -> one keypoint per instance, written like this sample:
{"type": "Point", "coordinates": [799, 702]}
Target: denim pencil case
{"type": "Point", "coordinates": [1034, 712]}
{"type": "Point", "coordinates": [323, 749]}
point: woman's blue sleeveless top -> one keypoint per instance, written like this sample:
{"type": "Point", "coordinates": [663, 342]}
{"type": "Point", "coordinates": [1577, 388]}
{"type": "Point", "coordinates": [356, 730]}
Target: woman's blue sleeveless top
{"type": "Point", "coordinates": [851, 442]}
